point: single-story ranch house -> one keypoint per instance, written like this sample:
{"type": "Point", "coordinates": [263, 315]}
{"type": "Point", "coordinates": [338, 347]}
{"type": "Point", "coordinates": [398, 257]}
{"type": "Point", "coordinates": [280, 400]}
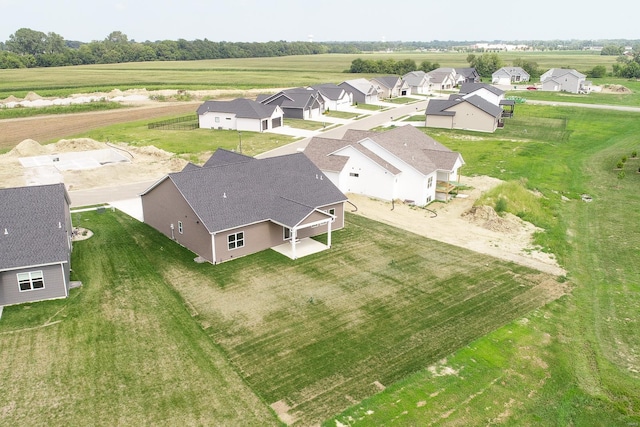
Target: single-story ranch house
{"type": "Point", "coordinates": [235, 205]}
{"type": "Point", "coordinates": [509, 75]}
{"type": "Point", "coordinates": [361, 90]}
{"type": "Point", "coordinates": [565, 80]}
{"type": "Point", "coordinates": [466, 113]}
{"type": "Point", "coordinates": [35, 243]}
{"type": "Point", "coordinates": [401, 163]}
{"type": "Point", "coordinates": [239, 114]}
{"type": "Point", "coordinates": [296, 103]}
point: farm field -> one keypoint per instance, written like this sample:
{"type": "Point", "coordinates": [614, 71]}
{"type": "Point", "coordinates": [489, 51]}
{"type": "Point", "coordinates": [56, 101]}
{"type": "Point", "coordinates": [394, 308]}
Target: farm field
{"type": "Point", "coordinates": [570, 362]}
{"type": "Point", "coordinates": [246, 73]}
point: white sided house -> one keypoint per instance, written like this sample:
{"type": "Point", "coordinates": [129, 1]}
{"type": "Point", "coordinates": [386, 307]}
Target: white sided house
{"type": "Point", "coordinates": [239, 114]}
{"type": "Point", "coordinates": [565, 80]}
{"type": "Point", "coordinates": [509, 75]}
{"type": "Point", "coordinates": [402, 163]}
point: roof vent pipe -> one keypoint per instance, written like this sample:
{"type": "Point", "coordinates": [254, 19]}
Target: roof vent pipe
{"type": "Point", "coordinates": [6, 231]}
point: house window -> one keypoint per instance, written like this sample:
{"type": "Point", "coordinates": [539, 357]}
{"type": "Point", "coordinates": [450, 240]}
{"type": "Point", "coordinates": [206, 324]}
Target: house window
{"type": "Point", "coordinates": [286, 233]}
{"type": "Point", "coordinates": [235, 240]}
{"type": "Point", "coordinates": [30, 281]}
{"type": "Point", "coordinates": [429, 182]}
{"type": "Point", "coordinates": [180, 227]}
{"type": "Point", "coordinates": [217, 119]}
{"type": "Point", "coordinates": [429, 199]}
{"type": "Point", "coordinates": [332, 211]}
{"type": "Point", "coordinates": [354, 174]}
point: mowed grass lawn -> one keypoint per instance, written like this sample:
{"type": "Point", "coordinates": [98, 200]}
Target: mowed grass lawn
{"type": "Point", "coordinates": [328, 330]}
{"type": "Point", "coordinates": [317, 333]}
{"type": "Point", "coordinates": [121, 350]}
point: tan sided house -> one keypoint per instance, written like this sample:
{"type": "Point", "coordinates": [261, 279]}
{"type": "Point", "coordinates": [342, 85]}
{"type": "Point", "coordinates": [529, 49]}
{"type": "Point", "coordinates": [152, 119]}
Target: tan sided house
{"type": "Point", "coordinates": [235, 205]}
{"type": "Point", "coordinates": [35, 243]}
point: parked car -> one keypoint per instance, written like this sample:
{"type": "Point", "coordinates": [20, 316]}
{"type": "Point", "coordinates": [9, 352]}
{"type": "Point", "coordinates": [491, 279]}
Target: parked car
{"type": "Point", "coordinates": [532, 88]}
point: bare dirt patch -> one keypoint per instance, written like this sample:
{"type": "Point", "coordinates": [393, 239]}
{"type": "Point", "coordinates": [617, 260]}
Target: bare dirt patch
{"type": "Point", "coordinates": [146, 163]}
{"type": "Point", "coordinates": [457, 223]}
{"type": "Point", "coordinates": [612, 88]}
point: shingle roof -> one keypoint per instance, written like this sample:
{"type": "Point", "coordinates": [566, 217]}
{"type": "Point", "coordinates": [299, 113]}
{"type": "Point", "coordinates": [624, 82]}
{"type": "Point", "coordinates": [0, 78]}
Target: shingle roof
{"type": "Point", "coordinates": [283, 189]}
{"type": "Point", "coordinates": [559, 72]}
{"type": "Point", "coordinates": [241, 107]}
{"type": "Point", "coordinates": [35, 222]}
{"type": "Point", "coordinates": [330, 91]}
{"type": "Point", "coordinates": [387, 81]}
{"type": "Point", "coordinates": [362, 85]}
{"type": "Point", "coordinates": [468, 88]}
{"type": "Point", "coordinates": [511, 71]}
{"type": "Point", "coordinates": [407, 143]}
{"type": "Point", "coordinates": [299, 98]}
{"type": "Point", "coordinates": [441, 107]}
{"type": "Point", "coordinates": [415, 78]}
{"type": "Point", "coordinates": [225, 157]}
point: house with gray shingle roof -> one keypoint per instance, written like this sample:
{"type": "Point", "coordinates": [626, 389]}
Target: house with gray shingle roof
{"type": "Point", "coordinates": [466, 113]}
{"type": "Point", "coordinates": [490, 93]}
{"type": "Point", "coordinates": [35, 243]}
{"type": "Point", "coordinates": [361, 91]}
{"type": "Point", "coordinates": [296, 103]}
{"type": "Point", "coordinates": [443, 78]}
{"type": "Point", "coordinates": [239, 114]}
{"type": "Point", "coordinates": [419, 82]}
{"type": "Point", "coordinates": [509, 75]}
{"type": "Point", "coordinates": [401, 163]}
{"type": "Point", "coordinates": [565, 80]}
{"type": "Point", "coordinates": [236, 205]}
{"type": "Point", "coordinates": [335, 97]}
{"type": "Point", "coordinates": [391, 86]}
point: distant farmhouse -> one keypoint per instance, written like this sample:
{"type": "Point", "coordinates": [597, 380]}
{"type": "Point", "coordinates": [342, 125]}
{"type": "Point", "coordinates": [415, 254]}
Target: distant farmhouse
{"type": "Point", "coordinates": [35, 244]}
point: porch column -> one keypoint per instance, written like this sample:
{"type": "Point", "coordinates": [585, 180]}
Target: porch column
{"type": "Point", "coordinates": [294, 232]}
{"type": "Point", "coordinates": [329, 234]}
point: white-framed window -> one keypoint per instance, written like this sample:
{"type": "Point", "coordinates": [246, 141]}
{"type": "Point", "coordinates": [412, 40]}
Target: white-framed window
{"type": "Point", "coordinates": [235, 240]}
{"type": "Point", "coordinates": [217, 119]}
{"type": "Point", "coordinates": [332, 211]}
{"type": "Point", "coordinates": [286, 233]}
{"type": "Point", "coordinates": [429, 199]}
{"type": "Point", "coordinates": [30, 281]}
{"type": "Point", "coordinates": [429, 182]}
{"type": "Point", "coordinates": [180, 227]}
{"type": "Point", "coordinates": [354, 174]}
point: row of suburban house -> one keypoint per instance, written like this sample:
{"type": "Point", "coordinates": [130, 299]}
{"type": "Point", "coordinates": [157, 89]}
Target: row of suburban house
{"type": "Point", "coordinates": [554, 80]}
{"type": "Point", "coordinates": [233, 205]}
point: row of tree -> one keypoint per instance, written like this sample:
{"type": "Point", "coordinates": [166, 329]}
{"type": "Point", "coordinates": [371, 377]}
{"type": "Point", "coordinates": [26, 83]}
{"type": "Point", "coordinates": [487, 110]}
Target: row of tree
{"type": "Point", "coordinates": [389, 66]}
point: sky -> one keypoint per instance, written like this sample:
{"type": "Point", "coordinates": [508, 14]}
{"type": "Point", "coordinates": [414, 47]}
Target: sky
{"type": "Point", "coordinates": [324, 20]}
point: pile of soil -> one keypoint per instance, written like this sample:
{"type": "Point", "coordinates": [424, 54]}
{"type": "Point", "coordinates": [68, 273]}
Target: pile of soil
{"type": "Point", "coordinates": [28, 148]}
{"type": "Point", "coordinates": [78, 144]}
{"type": "Point", "coordinates": [615, 89]}
{"type": "Point", "coordinates": [11, 98]}
{"type": "Point", "coordinates": [487, 217]}
{"type": "Point", "coordinates": [32, 96]}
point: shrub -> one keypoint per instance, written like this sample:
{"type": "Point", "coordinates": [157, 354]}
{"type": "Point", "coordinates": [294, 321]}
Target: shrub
{"type": "Point", "coordinates": [501, 205]}
{"type": "Point", "coordinates": [634, 154]}
{"type": "Point", "coordinates": [619, 165]}
{"type": "Point", "coordinates": [624, 159]}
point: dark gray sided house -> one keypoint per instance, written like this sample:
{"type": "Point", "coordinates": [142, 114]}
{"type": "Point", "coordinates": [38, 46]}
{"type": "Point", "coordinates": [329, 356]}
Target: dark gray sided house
{"type": "Point", "coordinates": [235, 205]}
{"type": "Point", "coordinates": [35, 243]}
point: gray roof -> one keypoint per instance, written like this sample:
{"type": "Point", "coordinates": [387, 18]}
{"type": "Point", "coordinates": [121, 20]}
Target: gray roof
{"type": "Point", "coordinates": [241, 107]}
{"type": "Point", "coordinates": [321, 152]}
{"type": "Point", "coordinates": [441, 107]}
{"type": "Point", "coordinates": [415, 78]}
{"type": "Point", "coordinates": [407, 143]}
{"type": "Point", "coordinates": [388, 81]}
{"type": "Point", "coordinates": [330, 91]}
{"type": "Point", "coordinates": [225, 157]}
{"type": "Point", "coordinates": [298, 98]}
{"type": "Point", "coordinates": [361, 85]}
{"type": "Point", "coordinates": [283, 189]}
{"type": "Point", "coordinates": [511, 71]}
{"type": "Point", "coordinates": [467, 72]}
{"type": "Point", "coordinates": [35, 220]}
{"type": "Point", "coordinates": [468, 88]}
{"type": "Point", "coordinates": [554, 73]}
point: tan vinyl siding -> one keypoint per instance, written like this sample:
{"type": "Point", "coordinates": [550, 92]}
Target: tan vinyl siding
{"type": "Point", "coordinates": [54, 285]}
{"type": "Point", "coordinates": [257, 237]}
{"type": "Point", "coordinates": [445, 122]}
{"type": "Point", "coordinates": [163, 206]}
{"type": "Point", "coordinates": [472, 118]}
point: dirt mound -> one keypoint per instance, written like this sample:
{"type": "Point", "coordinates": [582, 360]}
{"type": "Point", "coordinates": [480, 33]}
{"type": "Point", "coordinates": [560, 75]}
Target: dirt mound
{"type": "Point", "coordinates": [153, 151]}
{"type": "Point", "coordinates": [28, 148]}
{"type": "Point", "coordinates": [78, 144]}
{"type": "Point", "coordinates": [615, 89]}
{"type": "Point", "coordinates": [487, 217]}
{"type": "Point", "coordinates": [11, 99]}
{"type": "Point", "coordinates": [32, 96]}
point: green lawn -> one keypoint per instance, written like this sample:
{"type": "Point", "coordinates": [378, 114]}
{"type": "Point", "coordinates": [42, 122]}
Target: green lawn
{"type": "Point", "coordinates": [400, 100]}
{"type": "Point", "coordinates": [20, 112]}
{"type": "Point", "coordinates": [123, 349]}
{"type": "Point", "coordinates": [575, 361]}
{"type": "Point", "coordinates": [188, 143]}
{"type": "Point", "coordinates": [342, 114]}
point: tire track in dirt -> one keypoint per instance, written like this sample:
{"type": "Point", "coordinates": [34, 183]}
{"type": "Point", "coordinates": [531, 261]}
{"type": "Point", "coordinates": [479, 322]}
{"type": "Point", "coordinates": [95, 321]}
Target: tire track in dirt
{"type": "Point", "coordinates": [53, 127]}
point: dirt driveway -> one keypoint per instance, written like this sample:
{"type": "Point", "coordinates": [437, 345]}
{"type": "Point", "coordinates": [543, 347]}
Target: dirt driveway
{"type": "Point", "coordinates": [507, 238]}
{"type": "Point", "coordinates": [47, 128]}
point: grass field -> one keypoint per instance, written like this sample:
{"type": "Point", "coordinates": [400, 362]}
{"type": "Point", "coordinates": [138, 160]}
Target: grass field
{"type": "Point", "coordinates": [574, 362]}
{"type": "Point", "coordinates": [245, 73]}
{"type": "Point", "coordinates": [121, 350]}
